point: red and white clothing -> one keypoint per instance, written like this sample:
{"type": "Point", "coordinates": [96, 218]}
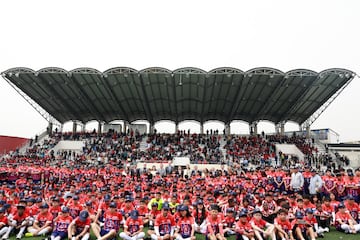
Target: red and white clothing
{"type": "Point", "coordinates": [62, 223]}
{"type": "Point", "coordinates": [164, 224]}
{"type": "Point", "coordinates": [243, 228]}
{"type": "Point", "coordinates": [112, 221]}
{"type": "Point", "coordinates": [214, 225]}
{"type": "Point", "coordinates": [285, 225]}
{"type": "Point", "coordinates": [185, 226]}
{"type": "Point", "coordinates": [81, 225]}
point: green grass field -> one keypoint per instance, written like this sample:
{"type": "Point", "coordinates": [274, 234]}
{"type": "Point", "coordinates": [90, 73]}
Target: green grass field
{"type": "Point", "coordinates": [332, 235]}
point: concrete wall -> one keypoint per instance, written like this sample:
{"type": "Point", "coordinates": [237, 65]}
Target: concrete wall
{"type": "Point", "coordinates": [289, 149]}
{"type": "Point", "coordinates": [354, 157]}
{"type": "Point", "coordinates": [199, 166]}
{"type": "Point", "coordinates": [76, 146]}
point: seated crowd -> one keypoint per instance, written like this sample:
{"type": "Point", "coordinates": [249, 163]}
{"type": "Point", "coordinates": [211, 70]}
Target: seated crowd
{"type": "Point", "coordinates": [200, 148]}
{"type": "Point", "coordinates": [42, 196]}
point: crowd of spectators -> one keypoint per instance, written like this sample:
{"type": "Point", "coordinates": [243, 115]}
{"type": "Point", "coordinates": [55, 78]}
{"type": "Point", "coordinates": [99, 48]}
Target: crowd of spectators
{"type": "Point", "coordinates": [57, 196]}
{"type": "Point", "coordinates": [199, 148]}
{"type": "Point", "coordinates": [253, 149]}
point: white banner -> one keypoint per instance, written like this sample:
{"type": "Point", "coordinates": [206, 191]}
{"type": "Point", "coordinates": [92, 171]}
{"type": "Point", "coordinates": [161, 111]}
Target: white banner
{"type": "Point", "coordinates": [181, 161]}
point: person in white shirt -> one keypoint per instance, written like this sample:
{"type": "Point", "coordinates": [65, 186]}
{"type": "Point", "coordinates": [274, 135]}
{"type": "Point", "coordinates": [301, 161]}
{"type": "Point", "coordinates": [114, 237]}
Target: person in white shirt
{"type": "Point", "coordinates": [297, 180]}
{"type": "Point", "coordinates": [316, 183]}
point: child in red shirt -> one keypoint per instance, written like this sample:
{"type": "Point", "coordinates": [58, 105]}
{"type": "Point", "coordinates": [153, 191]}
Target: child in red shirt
{"type": "Point", "coordinates": [282, 224]}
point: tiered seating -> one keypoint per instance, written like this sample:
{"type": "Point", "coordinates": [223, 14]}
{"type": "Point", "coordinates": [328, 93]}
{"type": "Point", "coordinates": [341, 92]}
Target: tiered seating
{"type": "Point", "coordinates": [302, 143]}
{"type": "Point", "coordinates": [252, 149]}
{"type": "Point", "coordinates": [199, 148]}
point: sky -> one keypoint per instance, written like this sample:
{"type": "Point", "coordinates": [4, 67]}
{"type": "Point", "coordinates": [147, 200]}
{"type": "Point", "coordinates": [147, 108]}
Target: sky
{"type": "Point", "coordinates": [283, 34]}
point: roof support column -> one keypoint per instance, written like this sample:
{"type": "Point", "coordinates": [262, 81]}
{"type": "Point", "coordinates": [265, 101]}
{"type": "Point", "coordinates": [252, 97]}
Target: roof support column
{"type": "Point", "coordinates": [99, 127]}
{"type": "Point", "coordinates": [50, 128]}
{"type": "Point", "coordinates": [83, 127]}
{"type": "Point", "coordinates": [277, 128]}
{"type": "Point", "coordinates": [152, 128]}
{"type": "Point", "coordinates": [125, 127]}
{"type": "Point", "coordinates": [74, 127]}
{"type": "Point", "coordinates": [253, 128]}
{"type": "Point", "coordinates": [282, 128]}
{"type": "Point", "coordinates": [227, 129]}
{"type": "Point", "coordinates": [201, 128]}
{"type": "Point", "coordinates": [176, 127]}
{"type": "Point", "coordinates": [306, 127]}
{"type": "Point", "coordinates": [308, 130]}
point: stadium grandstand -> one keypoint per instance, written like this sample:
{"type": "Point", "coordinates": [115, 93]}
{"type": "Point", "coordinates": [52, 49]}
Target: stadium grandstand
{"type": "Point", "coordinates": [210, 184]}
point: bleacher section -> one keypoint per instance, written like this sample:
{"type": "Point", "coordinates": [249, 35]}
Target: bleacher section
{"type": "Point", "coordinates": [206, 151]}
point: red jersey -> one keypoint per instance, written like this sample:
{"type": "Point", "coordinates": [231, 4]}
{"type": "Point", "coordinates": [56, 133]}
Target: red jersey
{"type": "Point", "coordinates": [164, 224]}
{"type": "Point", "coordinates": [323, 215]}
{"type": "Point", "coordinates": [62, 223]}
{"type": "Point", "coordinates": [311, 221]}
{"type": "Point", "coordinates": [36, 174]}
{"type": "Point", "coordinates": [81, 225]}
{"type": "Point", "coordinates": [353, 210]}
{"type": "Point", "coordinates": [19, 219]}
{"type": "Point", "coordinates": [185, 225]}
{"type": "Point", "coordinates": [125, 210]}
{"type": "Point", "coordinates": [214, 226]}
{"type": "Point", "coordinates": [309, 205]}
{"type": "Point", "coordinates": [301, 226]}
{"type": "Point", "coordinates": [343, 216]}
{"type": "Point", "coordinates": [285, 225]}
{"type": "Point", "coordinates": [340, 187]}
{"type": "Point", "coordinates": [154, 213]}
{"type": "Point", "coordinates": [43, 218]}
{"type": "Point", "coordinates": [329, 183]}
{"type": "Point", "coordinates": [54, 210]}
{"type": "Point", "coordinates": [4, 220]}
{"type": "Point", "coordinates": [133, 225]}
{"type": "Point", "coordinates": [261, 223]}
{"type": "Point", "coordinates": [143, 211]}
{"type": "Point", "coordinates": [21, 183]}
{"type": "Point", "coordinates": [243, 227]}
{"type": "Point", "coordinates": [328, 209]}
{"type": "Point", "coordinates": [75, 209]}
{"type": "Point", "coordinates": [112, 220]}
{"type": "Point", "coordinates": [229, 221]}
{"type": "Point", "coordinates": [349, 184]}
{"type": "Point", "coordinates": [33, 210]}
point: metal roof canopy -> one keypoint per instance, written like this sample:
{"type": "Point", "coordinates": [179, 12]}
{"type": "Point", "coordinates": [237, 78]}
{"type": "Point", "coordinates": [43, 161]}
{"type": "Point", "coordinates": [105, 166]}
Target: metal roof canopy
{"type": "Point", "coordinates": [156, 93]}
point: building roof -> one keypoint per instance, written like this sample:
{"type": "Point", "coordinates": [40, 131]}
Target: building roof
{"type": "Point", "coordinates": [8, 143]}
{"type": "Point", "coordinates": [156, 93]}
